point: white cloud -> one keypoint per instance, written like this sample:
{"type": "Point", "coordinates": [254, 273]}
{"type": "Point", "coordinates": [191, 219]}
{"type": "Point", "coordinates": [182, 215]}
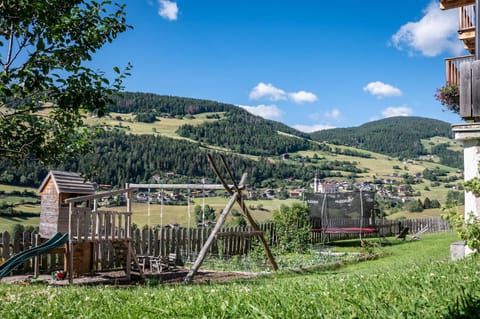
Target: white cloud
{"type": "Point", "coordinates": [312, 128]}
{"type": "Point", "coordinates": [168, 9]}
{"type": "Point", "coordinates": [397, 111]}
{"type": "Point", "coordinates": [302, 97]}
{"type": "Point", "coordinates": [334, 114]}
{"type": "Point", "coordinates": [262, 90]}
{"type": "Point", "coordinates": [270, 92]}
{"type": "Point", "coordinates": [271, 112]}
{"type": "Point", "coordinates": [381, 89]}
{"type": "Point", "coordinates": [435, 33]}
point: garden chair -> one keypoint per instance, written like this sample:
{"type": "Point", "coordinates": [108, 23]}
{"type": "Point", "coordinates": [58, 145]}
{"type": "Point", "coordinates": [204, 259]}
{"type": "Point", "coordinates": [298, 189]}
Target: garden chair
{"type": "Point", "coordinates": [156, 263]}
{"type": "Point", "coordinates": [418, 234]}
{"type": "Point", "coordinates": [142, 260]}
{"type": "Point", "coordinates": [169, 262]}
{"type": "Point", "coordinates": [403, 234]}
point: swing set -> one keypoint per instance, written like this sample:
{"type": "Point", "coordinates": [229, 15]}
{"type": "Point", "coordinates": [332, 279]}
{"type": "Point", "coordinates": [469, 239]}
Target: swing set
{"type": "Point", "coordinates": [234, 190]}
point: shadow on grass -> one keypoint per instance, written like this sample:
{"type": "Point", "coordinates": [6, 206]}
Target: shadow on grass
{"type": "Point", "coordinates": [466, 307]}
{"type": "Point", "coordinates": [355, 243]}
{"type": "Point", "coordinates": [18, 214]}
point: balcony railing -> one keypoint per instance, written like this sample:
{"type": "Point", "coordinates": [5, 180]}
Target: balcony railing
{"type": "Point", "coordinates": [452, 66]}
{"type": "Point", "coordinates": [466, 18]}
{"type": "Point", "coordinates": [450, 4]}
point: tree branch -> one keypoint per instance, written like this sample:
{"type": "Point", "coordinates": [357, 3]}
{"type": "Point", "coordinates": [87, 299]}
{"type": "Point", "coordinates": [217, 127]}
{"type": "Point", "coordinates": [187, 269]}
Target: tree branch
{"type": "Point", "coordinates": [8, 61]}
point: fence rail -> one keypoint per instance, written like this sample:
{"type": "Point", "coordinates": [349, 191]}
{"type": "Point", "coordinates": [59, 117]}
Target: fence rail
{"type": "Point", "coordinates": [188, 242]}
{"type": "Point", "coordinates": [452, 68]}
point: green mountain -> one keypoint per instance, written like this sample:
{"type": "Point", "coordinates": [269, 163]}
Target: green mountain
{"type": "Point", "coordinates": [238, 130]}
{"type": "Point", "coordinates": [396, 136]}
{"type": "Point", "coordinates": [134, 151]}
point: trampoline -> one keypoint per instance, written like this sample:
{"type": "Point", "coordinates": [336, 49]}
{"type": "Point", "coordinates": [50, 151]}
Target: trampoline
{"type": "Point", "coordinates": [342, 212]}
{"type": "Point", "coordinates": [345, 230]}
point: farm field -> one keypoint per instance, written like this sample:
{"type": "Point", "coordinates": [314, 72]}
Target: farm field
{"type": "Point", "coordinates": [7, 223]}
{"type": "Point", "coordinates": [179, 214]}
{"type": "Point", "coordinates": [426, 213]}
{"type": "Point", "coordinates": [414, 280]}
{"type": "Point", "coordinates": [163, 126]}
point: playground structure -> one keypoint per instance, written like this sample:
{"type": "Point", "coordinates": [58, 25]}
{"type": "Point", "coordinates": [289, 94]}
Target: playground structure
{"type": "Point", "coordinates": [71, 224]}
{"type": "Point", "coordinates": [94, 239]}
{"type": "Point", "coordinates": [97, 239]}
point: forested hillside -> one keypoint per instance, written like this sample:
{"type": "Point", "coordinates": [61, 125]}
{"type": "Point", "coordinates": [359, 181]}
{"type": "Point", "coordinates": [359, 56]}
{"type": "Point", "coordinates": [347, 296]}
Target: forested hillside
{"type": "Point", "coordinates": [118, 158]}
{"type": "Point", "coordinates": [395, 136]}
{"type": "Point", "coordinates": [246, 134]}
{"type": "Point", "coordinates": [135, 102]}
{"type": "Point", "coordinates": [238, 130]}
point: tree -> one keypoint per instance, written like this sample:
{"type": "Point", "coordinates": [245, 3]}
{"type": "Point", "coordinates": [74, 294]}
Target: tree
{"type": "Point", "coordinates": [427, 203]}
{"type": "Point", "coordinates": [208, 212]}
{"type": "Point", "coordinates": [293, 228]}
{"type": "Point", "coordinates": [237, 219]}
{"type": "Point", "coordinates": [46, 85]}
{"type": "Point", "coordinates": [145, 117]}
{"type": "Point", "coordinates": [415, 206]}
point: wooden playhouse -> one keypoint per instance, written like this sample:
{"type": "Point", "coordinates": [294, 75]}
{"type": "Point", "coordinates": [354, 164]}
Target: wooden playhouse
{"type": "Point", "coordinates": [97, 239]}
{"type": "Point", "coordinates": [54, 190]}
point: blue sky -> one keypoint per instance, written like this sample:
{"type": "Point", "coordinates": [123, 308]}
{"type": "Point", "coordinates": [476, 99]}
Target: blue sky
{"type": "Point", "coordinates": [310, 64]}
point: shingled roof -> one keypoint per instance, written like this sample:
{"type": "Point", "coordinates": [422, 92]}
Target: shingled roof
{"type": "Point", "coordinates": [68, 182]}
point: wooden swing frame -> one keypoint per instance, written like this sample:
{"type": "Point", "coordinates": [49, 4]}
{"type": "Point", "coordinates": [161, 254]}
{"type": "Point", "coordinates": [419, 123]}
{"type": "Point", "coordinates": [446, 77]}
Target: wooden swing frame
{"type": "Point", "coordinates": [235, 197]}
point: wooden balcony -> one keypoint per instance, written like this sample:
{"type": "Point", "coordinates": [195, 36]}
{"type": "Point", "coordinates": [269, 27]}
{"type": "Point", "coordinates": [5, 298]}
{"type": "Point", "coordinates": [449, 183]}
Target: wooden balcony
{"type": "Point", "coordinates": [452, 67]}
{"type": "Point", "coordinates": [450, 4]}
{"type": "Point", "coordinates": [466, 27]}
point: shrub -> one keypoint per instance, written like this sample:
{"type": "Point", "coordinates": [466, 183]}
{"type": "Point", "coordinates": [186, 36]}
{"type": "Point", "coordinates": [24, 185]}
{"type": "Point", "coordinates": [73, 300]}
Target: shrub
{"type": "Point", "coordinates": [293, 228]}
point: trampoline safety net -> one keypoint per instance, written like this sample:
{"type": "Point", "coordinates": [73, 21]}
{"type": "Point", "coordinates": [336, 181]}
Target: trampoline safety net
{"type": "Point", "coordinates": [342, 212]}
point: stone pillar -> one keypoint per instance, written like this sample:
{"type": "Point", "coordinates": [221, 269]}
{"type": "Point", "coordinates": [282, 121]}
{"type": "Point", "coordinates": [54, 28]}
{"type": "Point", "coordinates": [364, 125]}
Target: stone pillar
{"type": "Point", "coordinates": [469, 135]}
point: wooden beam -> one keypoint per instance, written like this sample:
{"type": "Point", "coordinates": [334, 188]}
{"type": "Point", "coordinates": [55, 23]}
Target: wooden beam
{"type": "Point", "coordinates": [99, 195]}
{"type": "Point", "coordinates": [235, 197]}
{"type": "Point", "coordinates": [178, 186]}
{"type": "Point", "coordinates": [249, 217]}
{"type": "Point", "coordinates": [208, 243]}
{"type": "Point", "coordinates": [451, 4]}
{"type": "Point", "coordinates": [240, 234]}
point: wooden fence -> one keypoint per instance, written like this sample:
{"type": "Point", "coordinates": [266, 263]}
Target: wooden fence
{"type": "Point", "coordinates": [187, 243]}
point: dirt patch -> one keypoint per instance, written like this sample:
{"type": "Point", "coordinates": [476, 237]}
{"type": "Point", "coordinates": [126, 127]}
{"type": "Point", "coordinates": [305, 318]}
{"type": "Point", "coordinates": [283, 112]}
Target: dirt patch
{"type": "Point", "coordinates": [117, 278]}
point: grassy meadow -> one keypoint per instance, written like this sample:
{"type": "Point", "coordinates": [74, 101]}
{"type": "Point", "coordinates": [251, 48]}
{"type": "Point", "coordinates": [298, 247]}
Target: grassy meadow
{"type": "Point", "coordinates": [163, 126]}
{"type": "Point", "coordinates": [414, 279]}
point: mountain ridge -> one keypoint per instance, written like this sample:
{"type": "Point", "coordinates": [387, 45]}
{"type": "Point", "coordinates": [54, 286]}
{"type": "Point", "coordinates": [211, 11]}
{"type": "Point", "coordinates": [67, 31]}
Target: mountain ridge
{"type": "Point", "coordinates": [250, 143]}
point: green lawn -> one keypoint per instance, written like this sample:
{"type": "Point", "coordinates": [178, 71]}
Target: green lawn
{"type": "Point", "coordinates": [414, 280]}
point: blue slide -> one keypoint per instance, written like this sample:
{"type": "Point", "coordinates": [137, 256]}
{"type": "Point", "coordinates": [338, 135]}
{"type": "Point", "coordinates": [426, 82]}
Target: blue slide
{"type": "Point", "coordinates": [17, 260]}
